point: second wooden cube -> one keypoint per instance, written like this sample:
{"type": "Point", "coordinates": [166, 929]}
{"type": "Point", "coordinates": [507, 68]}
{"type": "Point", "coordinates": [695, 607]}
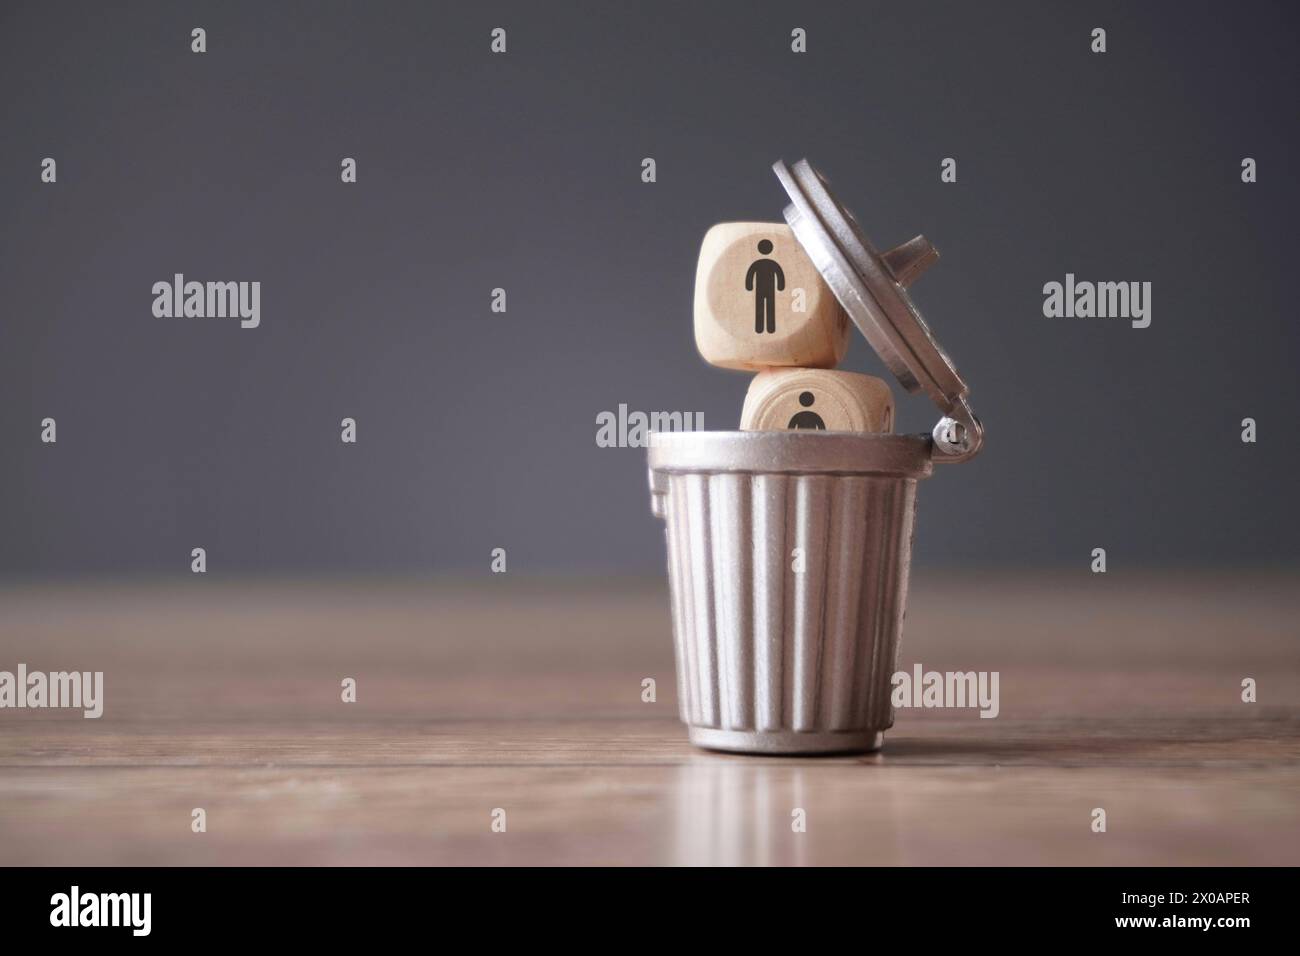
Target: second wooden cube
{"type": "Point", "coordinates": [819, 400]}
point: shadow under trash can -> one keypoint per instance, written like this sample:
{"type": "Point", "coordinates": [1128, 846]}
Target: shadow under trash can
{"type": "Point", "coordinates": [789, 551]}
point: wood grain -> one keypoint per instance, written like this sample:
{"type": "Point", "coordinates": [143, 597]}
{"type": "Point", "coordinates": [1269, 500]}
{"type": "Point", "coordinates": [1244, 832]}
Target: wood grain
{"type": "Point", "coordinates": [1122, 693]}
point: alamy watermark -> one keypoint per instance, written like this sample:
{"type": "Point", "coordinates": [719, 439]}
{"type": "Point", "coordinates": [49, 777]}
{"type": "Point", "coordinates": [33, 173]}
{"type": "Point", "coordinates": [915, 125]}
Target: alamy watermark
{"type": "Point", "coordinates": [624, 429]}
{"type": "Point", "coordinates": [75, 908]}
{"type": "Point", "coordinates": [922, 688]}
{"type": "Point", "coordinates": [208, 300]}
{"type": "Point", "coordinates": [79, 690]}
{"type": "Point", "coordinates": [1101, 300]}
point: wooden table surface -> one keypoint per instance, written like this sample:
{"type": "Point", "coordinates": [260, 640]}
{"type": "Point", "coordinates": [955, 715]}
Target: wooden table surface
{"type": "Point", "coordinates": [1117, 691]}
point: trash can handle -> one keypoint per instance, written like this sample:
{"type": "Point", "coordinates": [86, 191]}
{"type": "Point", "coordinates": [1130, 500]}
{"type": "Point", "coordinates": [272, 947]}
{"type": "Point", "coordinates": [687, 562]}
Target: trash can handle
{"type": "Point", "coordinates": [658, 491]}
{"type": "Point", "coordinates": [958, 436]}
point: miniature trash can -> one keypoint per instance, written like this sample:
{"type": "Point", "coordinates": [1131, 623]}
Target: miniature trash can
{"type": "Point", "coordinates": [789, 551]}
{"type": "Point", "coordinates": [788, 556]}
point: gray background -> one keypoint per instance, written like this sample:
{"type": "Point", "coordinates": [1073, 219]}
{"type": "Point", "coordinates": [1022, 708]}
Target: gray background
{"type": "Point", "coordinates": [477, 430]}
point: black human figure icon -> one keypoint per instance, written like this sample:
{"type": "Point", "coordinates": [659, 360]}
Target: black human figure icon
{"type": "Point", "coordinates": [765, 279]}
{"type": "Point", "coordinates": [806, 419]}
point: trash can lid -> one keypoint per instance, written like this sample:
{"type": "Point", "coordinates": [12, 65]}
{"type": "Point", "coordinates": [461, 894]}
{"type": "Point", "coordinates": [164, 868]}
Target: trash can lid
{"type": "Point", "coordinates": [872, 288]}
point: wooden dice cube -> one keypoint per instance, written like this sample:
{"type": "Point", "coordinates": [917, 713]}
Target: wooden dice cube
{"type": "Point", "coordinates": [760, 302]}
{"type": "Point", "coordinates": [817, 399]}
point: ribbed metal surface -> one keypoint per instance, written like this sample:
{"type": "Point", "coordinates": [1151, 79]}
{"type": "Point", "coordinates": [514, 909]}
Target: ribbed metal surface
{"type": "Point", "coordinates": [764, 647]}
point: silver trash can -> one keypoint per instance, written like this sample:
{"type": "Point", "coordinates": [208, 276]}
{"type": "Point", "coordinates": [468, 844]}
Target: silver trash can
{"type": "Point", "coordinates": [788, 556]}
{"type": "Point", "coordinates": [788, 552]}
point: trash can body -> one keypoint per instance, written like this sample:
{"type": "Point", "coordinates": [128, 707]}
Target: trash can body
{"type": "Point", "coordinates": [788, 558]}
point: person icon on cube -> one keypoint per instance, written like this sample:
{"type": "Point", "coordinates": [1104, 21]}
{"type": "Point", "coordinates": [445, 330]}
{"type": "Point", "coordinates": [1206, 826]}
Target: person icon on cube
{"type": "Point", "coordinates": [731, 315]}
{"type": "Point", "coordinates": [807, 418]}
{"type": "Point", "coordinates": [765, 279]}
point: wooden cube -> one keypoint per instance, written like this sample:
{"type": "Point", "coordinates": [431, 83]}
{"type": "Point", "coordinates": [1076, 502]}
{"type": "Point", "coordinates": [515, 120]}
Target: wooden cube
{"type": "Point", "coordinates": [760, 302]}
{"type": "Point", "coordinates": [799, 398]}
